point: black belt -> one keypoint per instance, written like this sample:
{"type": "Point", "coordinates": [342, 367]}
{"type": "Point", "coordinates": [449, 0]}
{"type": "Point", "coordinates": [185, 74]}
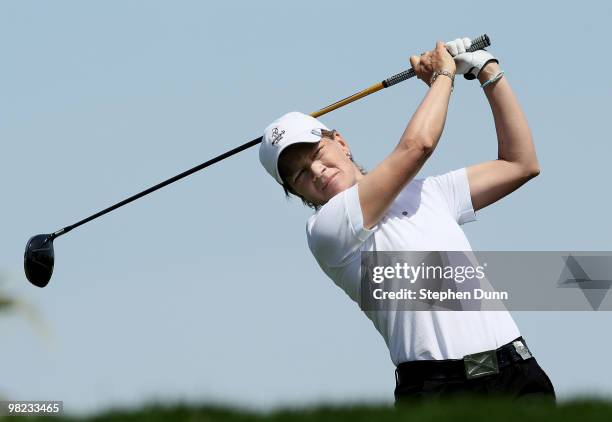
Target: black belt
{"type": "Point", "coordinates": [471, 366]}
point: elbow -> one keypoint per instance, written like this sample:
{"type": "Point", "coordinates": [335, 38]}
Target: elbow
{"type": "Point", "coordinates": [424, 145]}
{"type": "Point", "coordinates": [427, 145]}
{"type": "Point", "coordinates": [531, 171]}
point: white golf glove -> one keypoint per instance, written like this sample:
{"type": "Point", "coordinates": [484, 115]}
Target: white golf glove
{"type": "Point", "coordinates": [468, 64]}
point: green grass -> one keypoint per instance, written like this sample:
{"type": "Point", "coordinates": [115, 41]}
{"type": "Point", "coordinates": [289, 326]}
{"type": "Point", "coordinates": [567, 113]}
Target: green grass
{"type": "Point", "coordinates": [467, 409]}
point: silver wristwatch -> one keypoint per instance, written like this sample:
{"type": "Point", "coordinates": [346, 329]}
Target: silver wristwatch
{"type": "Point", "coordinates": [445, 73]}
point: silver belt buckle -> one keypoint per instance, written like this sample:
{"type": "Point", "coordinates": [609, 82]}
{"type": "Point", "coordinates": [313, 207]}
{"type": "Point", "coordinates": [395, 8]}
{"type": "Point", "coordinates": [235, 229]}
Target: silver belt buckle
{"type": "Point", "coordinates": [522, 349]}
{"type": "Point", "coordinates": [481, 364]}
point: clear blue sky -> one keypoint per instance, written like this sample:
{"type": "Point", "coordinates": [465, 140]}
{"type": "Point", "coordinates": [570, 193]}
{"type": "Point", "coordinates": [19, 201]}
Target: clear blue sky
{"type": "Point", "coordinates": [206, 290]}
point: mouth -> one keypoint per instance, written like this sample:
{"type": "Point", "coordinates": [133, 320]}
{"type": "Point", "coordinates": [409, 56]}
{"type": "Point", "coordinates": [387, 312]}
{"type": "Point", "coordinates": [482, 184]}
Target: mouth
{"type": "Point", "coordinates": [328, 181]}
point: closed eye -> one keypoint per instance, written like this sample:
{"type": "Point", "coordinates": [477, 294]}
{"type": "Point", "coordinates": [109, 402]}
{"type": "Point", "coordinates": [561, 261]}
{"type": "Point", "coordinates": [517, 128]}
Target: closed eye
{"type": "Point", "coordinates": [299, 173]}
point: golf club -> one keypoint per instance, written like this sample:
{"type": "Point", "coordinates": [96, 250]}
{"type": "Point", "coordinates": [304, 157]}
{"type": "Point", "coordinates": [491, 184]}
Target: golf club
{"type": "Point", "coordinates": [39, 256]}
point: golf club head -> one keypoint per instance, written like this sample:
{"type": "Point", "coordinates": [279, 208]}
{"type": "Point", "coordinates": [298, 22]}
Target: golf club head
{"type": "Point", "coordinates": [38, 259]}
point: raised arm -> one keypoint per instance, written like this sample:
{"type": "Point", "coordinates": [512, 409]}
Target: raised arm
{"type": "Point", "coordinates": [516, 156]}
{"type": "Point", "coordinates": [380, 187]}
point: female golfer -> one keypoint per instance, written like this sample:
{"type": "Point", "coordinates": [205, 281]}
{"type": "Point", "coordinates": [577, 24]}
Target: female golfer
{"type": "Point", "coordinates": [436, 353]}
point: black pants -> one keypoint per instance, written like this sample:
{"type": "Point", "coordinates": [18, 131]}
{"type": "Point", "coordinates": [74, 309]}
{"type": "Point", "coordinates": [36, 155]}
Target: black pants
{"type": "Point", "coordinates": [524, 378]}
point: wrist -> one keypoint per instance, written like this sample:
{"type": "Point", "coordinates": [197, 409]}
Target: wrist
{"type": "Point", "coordinates": [450, 75]}
{"type": "Point", "coordinates": [488, 71]}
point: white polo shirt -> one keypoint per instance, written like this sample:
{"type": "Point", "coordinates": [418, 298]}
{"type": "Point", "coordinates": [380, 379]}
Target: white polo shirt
{"type": "Point", "coordinates": [425, 216]}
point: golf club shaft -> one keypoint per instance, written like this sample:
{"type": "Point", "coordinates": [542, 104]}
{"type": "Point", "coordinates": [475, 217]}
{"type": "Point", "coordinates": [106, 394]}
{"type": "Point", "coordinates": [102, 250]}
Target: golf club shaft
{"type": "Point", "coordinates": [477, 44]}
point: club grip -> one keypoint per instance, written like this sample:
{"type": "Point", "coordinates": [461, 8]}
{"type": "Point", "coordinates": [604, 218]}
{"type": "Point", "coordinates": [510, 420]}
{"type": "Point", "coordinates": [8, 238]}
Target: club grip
{"type": "Point", "coordinates": [478, 43]}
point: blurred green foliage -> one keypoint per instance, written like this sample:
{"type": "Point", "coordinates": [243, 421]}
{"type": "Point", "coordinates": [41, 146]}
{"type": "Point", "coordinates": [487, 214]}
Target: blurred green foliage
{"type": "Point", "coordinates": [7, 303]}
{"type": "Point", "coordinates": [460, 409]}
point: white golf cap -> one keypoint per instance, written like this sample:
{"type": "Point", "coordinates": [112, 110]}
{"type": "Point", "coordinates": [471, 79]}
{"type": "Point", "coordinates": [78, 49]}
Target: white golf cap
{"type": "Point", "coordinates": [291, 128]}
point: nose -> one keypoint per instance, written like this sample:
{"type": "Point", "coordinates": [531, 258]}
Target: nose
{"type": "Point", "coordinates": [317, 170]}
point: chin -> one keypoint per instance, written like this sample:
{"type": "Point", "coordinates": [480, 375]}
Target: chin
{"type": "Point", "coordinates": [336, 186]}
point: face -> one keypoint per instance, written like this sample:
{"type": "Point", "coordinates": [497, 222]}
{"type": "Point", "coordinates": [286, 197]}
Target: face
{"type": "Point", "coordinates": [319, 171]}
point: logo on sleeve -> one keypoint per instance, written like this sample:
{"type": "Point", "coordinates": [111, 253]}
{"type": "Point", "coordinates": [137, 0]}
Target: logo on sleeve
{"type": "Point", "coordinates": [277, 136]}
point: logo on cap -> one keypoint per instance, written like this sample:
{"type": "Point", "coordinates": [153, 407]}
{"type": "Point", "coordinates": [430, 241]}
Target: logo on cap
{"type": "Point", "coordinates": [276, 136]}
